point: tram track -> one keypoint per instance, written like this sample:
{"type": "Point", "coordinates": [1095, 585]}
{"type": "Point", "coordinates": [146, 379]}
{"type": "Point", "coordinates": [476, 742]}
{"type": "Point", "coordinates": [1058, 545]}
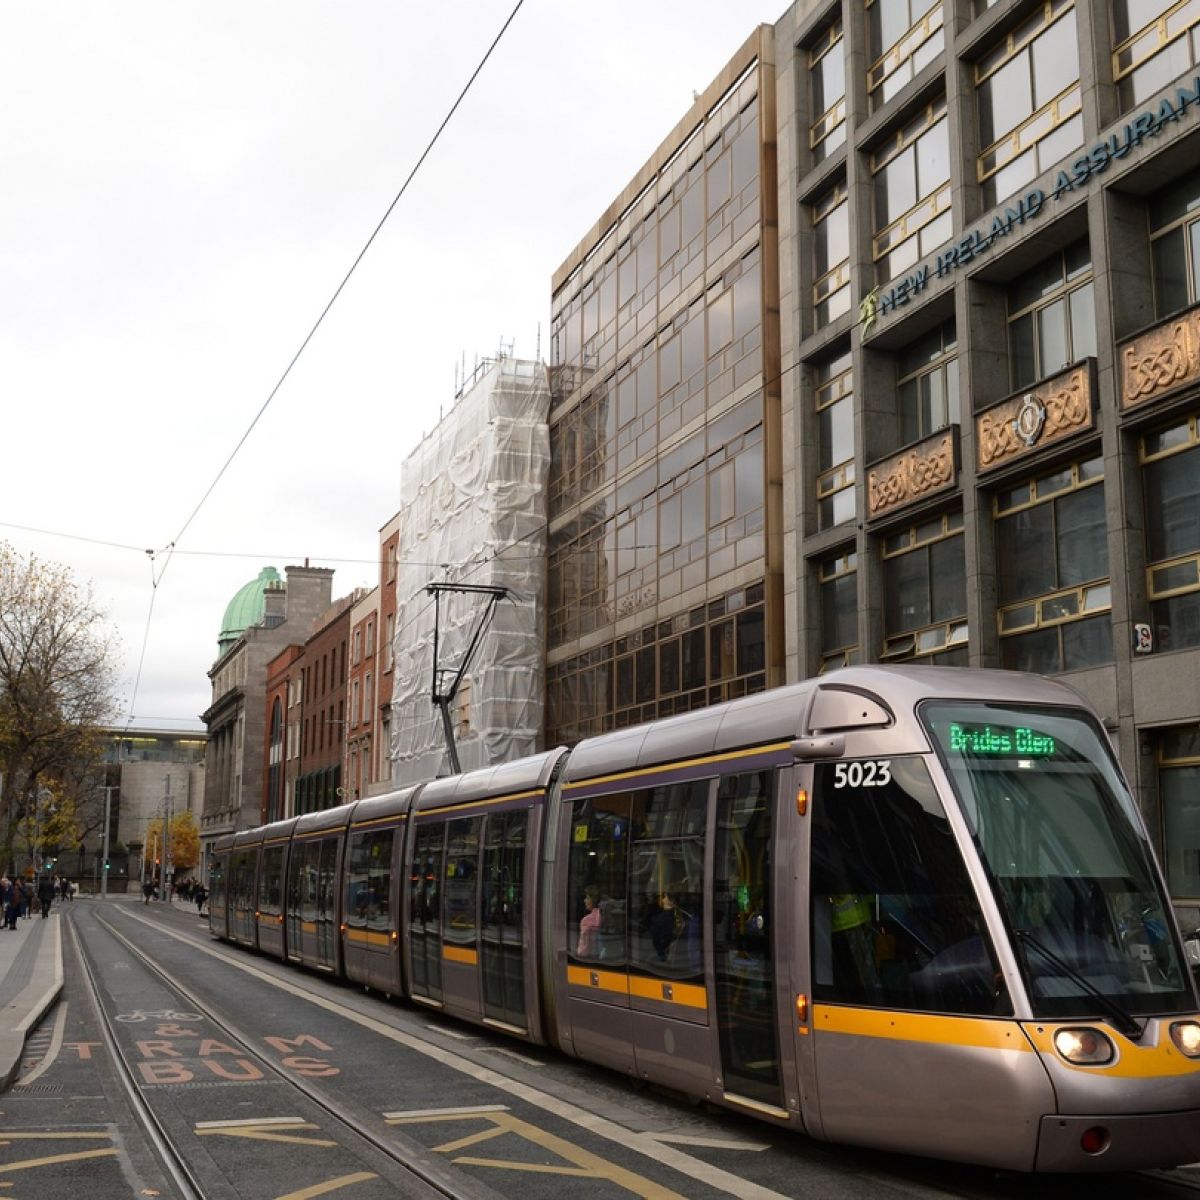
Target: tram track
{"type": "Point", "coordinates": [409, 1165]}
{"type": "Point", "coordinates": [881, 1174]}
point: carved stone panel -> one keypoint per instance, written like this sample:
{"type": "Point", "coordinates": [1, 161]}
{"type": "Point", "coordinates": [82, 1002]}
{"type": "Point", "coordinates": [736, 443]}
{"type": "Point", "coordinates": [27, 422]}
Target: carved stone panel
{"type": "Point", "coordinates": [1055, 409]}
{"type": "Point", "coordinates": [922, 470]}
{"type": "Point", "coordinates": [1160, 360]}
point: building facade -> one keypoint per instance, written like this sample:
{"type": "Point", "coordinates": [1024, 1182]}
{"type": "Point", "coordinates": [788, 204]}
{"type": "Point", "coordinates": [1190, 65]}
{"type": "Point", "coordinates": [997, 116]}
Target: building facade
{"type": "Point", "coordinates": [471, 531]}
{"type": "Point", "coordinates": [324, 669]}
{"type": "Point", "coordinates": [665, 550]}
{"type": "Point", "coordinates": [989, 261]}
{"type": "Point", "coordinates": [261, 619]}
{"type": "Point", "coordinates": [358, 769]}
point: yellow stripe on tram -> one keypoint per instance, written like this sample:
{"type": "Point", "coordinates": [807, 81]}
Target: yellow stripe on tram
{"type": "Point", "coordinates": [985, 1033]}
{"type": "Point", "coordinates": [644, 987]}
{"type": "Point", "coordinates": [460, 954]}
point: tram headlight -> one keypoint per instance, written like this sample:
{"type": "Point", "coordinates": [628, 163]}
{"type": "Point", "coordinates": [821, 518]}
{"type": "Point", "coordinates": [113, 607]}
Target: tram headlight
{"type": "Point", "coordinates": [1084, 1047]}
{"type": "Point", "coordinates": [1186, 1035]}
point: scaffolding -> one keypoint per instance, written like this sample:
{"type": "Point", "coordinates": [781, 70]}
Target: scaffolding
{"type": "Point", "coordinates": [473, 512]}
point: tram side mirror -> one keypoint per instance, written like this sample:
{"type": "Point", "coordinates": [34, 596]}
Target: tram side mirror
{"type": "Point", "coordinates": [831, 745]}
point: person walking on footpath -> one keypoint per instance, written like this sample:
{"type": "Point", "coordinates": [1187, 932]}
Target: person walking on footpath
{"type": "Point", "coordinates": [46, 894]}
{"type": "Point", "coordinates": [12, 909]}
{"type": "Point", "coordinates": [147, 891]}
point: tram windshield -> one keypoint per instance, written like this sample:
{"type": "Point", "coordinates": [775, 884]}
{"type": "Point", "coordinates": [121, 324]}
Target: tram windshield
{"type": "Point", "coordinates": [1071, 867]}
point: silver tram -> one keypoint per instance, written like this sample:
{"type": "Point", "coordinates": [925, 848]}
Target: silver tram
{"type": "Point", "coordinates": [913, 909]}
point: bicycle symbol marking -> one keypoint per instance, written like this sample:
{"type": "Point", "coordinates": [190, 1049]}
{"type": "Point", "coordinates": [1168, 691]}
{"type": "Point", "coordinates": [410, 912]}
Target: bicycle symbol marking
{"type": "Point", "coordinates": [165, 1014]}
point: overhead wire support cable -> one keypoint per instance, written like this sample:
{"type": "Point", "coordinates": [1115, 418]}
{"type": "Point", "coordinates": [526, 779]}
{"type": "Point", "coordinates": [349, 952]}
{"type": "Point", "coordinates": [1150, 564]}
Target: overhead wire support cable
{"type": "Point", "coordinates": [173, 544]}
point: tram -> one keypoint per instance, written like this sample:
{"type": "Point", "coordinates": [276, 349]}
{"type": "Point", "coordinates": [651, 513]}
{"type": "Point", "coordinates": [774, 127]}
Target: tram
{"type": "Point", "coordinates": [907, 908]}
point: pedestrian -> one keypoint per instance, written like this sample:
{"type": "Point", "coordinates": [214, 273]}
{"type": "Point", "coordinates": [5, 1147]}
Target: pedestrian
{"type": "Point", "coordinates": [200, 894]}
{"type": "Point", "coordinates": [12, 908]}
{"type": "Point", "coordinates": [68, 889]}
{"type": "Point", "coordinates": [147, 891]}
{"type": "Point", "coordinates": [26, 897]}
{"type": "Point", "coordinates": [46, 895]}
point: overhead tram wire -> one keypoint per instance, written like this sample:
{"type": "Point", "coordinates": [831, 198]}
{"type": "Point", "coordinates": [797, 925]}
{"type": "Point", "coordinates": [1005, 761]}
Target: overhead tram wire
{"type": "Point", "coordinates": [169, 549]}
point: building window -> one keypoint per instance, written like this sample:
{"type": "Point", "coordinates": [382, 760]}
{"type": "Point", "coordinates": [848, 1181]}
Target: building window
{"type": "Point", "coordinates": [839, 610]}
{"type": "Point", "coordinates": [1051, 316]}
{"type": "Point", "coordinates": [1171, 482]}
{"type": "Point", "coordinates": [925, 592]}
{"type": "Point", "coordinates": [927, 395]}
{"type": "Point", "coordinates": [370, 638]}
{"type": "Point", "coordinates": [835, 442]}
{"type": "Point", "coordinates": [827, 71]}
{"type": "Point", "coordinates": [1179, 794]}
{"type": "Point", "coordinates": [1156, 41]}
{"type": "Point", "coordinates": [1030, 101]}
{"type": "Point", "coordinates": [905, 37]}
{"type": "Point", "coordinates": [1175, 244]}
{"type": "Point", "coordinates": [389, 650]}
{"type": "Point", "coordinates": [831, 255]}
{"type": "Point", "coordinates": [911, 174]}
{"type": "Point", "coordinates": [714, 652]}
{"type": "Point", "coordinates": [1052, 571]}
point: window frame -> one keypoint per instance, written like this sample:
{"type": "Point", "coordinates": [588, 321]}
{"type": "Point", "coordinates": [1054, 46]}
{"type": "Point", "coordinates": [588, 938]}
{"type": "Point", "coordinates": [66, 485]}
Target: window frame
{"type": "Point", "coordinates": [1049, 609]}
{"type": "Point", "coordinates": [906, 645]}
{"type": "Point", "coordinates": [1029, 133]}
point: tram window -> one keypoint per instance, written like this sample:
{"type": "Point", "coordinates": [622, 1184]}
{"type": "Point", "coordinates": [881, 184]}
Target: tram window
{"type": "Point", "coordinates": [270, 885]}
{"type": "Point", "coordinates": [895, 921]}
{"type": "Point", "coordinates": [666, 879]}
{"type": "Point", "coordinates": [596, 879]}
{"type": "Point", "coordinates": [462, 878]}
{"type": "Point", "coordinates": [369, 879]}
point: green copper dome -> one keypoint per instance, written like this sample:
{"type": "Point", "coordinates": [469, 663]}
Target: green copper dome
{"type": "Point", "coordinates": [246, 608]}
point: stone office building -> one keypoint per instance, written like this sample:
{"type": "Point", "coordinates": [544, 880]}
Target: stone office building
{"type": "Point", "coordinates": [989, 226]}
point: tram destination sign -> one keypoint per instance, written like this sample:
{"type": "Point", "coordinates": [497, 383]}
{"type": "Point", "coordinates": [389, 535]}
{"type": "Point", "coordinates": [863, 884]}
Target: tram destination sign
{"type": "Point", "coordinates": [1149, 123]}
{"type": "Point", "coordinates": [996, 741]}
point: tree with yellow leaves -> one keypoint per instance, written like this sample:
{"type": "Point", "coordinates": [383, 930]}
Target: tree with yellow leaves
{"type": "Point", "coordinates": [185, 845]}
{"type": "Point", "coordinates": [58, 669]}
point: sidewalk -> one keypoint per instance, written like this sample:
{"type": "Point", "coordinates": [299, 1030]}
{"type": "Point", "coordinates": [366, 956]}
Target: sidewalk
{"type": "Point", "coordinates": [31, 977]}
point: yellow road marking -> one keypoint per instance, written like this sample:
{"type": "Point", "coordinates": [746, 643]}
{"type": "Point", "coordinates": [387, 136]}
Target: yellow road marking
{"type": "Point", "coordinates": [324, 1189]}
{"type": "Point", "coordinates": [265, 1131]}
{"type": "Point", "coordinates": [586, 1165]}
{"type": "Point", "coordinates": [53, 1160]}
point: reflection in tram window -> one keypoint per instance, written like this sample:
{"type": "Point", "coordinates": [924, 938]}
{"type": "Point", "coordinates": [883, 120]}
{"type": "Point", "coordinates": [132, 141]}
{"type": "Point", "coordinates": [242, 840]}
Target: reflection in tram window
{"type": "Point", "coordinates": [666, 889]}
{"type": "Point", "coordinates": [369, 880]}
{"type": "Point", "coordinates": [503, 903]}
{"type": "Point", "coordinates": [462, 875]}
{"type": "Point", "coordinates": [895, 921]}
{"type": "Point", "coordinates": [744, 960]}
{"type": "Point", "coordinates": [270, 883]}
{"type": "Point", "coordinates": [424, 911]}
{"type": "Point", "coordinates": [597, 872]}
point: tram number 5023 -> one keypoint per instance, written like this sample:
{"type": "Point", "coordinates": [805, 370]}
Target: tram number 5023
{"type": "Point", "coordinates": [873, 772]}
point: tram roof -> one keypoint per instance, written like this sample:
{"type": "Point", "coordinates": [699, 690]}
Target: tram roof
{"type": "Point", "coordinates": [874, 696]}
{"type": "Point", "coordinates": [502, 779]}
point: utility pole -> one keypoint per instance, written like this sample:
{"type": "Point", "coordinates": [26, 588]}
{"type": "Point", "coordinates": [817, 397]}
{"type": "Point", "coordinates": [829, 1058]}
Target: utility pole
{"type": "Point", "coordinates": [108, 791]}
{"type": "Point", "coordinates": [166, 872]}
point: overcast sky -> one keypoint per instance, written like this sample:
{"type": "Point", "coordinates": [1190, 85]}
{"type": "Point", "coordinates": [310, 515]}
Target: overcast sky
{"type": "Point", "coordinates": [182, 189]}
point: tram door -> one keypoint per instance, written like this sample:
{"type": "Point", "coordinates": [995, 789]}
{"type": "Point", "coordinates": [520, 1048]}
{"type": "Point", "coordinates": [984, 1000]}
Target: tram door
{"type": "Point", "coordinates": [744, 940]}
{"type": "Point", "coordinates": [501, 917]}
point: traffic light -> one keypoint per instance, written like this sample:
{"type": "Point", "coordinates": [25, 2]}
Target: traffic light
{"type": "Point", "coordinates": [106, 864]}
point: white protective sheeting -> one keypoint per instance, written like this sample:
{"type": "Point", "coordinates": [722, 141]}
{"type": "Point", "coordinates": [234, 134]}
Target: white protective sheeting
{"type": "Point", "coordinates": [473, 511]}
